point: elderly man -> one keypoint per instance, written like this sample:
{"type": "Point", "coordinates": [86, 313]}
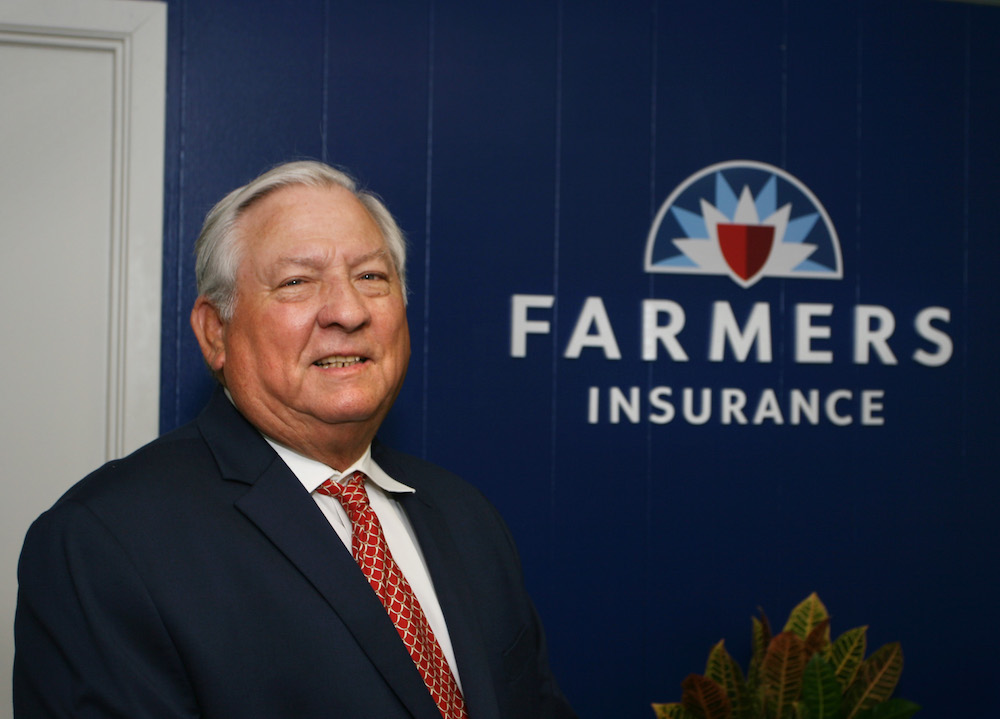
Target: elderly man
{"type": "Point", "coordinates": [272, 559]}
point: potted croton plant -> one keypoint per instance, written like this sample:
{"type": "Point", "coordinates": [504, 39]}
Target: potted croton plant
{"type": "Point", "coordinates": [797, 674]}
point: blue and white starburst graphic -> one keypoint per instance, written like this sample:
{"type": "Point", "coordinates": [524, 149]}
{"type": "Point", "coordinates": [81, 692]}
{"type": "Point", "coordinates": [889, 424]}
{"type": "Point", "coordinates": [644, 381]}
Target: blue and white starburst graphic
{"type": "Point", "coordinates": [747, 220]}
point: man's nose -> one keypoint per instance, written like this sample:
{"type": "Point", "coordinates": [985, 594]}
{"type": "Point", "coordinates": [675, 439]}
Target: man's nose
{"type": "Point", "coordinates": [343, 305]}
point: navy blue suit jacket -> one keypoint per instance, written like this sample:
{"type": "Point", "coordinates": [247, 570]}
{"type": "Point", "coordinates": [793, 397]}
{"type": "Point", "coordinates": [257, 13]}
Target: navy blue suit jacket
{"type": "Point", "coordinates": [197, 578]}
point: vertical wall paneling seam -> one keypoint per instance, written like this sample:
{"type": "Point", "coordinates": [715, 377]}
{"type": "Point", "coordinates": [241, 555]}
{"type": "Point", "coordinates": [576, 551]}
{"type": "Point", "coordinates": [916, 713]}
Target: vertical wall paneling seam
{"type": "Point", "coordinates": [784, 85]}
{"type": "Point", "coordinates": [966, 189]}
{"type": "Point", "coordinates": [428, 205]}
{"type": "Point", "coordinates": [654, 33]}
{"type": "Point", "coordinates": [556, 229]}
{"type": "Point", "coordinates": [859, 134]}
{"type": "Point", "coordinates": [647, 510]}
{"type": "Point", "coordinates": [783, 284]}
{"type": "Point", "coordinates": [855, 512]}
{"type": "Point", "coordinates": [325, 121]}
{"type": "Point", "coordinates": [180, 258]}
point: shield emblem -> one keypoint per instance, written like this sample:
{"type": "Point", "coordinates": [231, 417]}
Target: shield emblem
{"type": "Point", "coordinates": [745, 247]}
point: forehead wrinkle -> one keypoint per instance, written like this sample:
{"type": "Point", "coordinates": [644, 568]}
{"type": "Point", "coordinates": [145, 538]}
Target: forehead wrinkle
{"type": "Point", "coordinates": [318, 260]}
{"type": "Point", "coordinates": [313, 261]}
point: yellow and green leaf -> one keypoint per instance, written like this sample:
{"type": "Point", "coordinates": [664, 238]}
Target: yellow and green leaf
{"type": "Point", "coordinates": [760, 638]}
{"type": "Point", "coordinates": [781, 675]}
{"type": "Point", "coordinates": [847, 653]}
{"type": "Point", "coordinates": [723, 670]}
{"type": "Point", "coordinates": [809, 613]}
{"type": "Point", "coordinates": [876, 680]}
{"type": "Point", "coordinates": [671, 711]}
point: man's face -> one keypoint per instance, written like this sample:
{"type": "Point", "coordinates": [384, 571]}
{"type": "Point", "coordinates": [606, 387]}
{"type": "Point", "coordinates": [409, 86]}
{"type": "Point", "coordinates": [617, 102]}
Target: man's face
{"type": "Point", "coordinates": [318, 339]}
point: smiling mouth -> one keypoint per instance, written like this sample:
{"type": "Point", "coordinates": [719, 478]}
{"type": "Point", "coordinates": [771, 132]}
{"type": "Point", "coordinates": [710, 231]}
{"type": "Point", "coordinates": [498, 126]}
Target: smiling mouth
{"type": "Point", "coordinates": [339, 361]}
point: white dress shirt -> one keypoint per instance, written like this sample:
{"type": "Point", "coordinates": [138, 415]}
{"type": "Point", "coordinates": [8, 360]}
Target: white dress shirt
{"type": "Point", "coordinates": [403, 545]}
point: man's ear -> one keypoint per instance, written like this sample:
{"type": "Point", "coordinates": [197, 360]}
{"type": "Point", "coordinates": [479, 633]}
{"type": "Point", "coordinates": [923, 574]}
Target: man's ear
{"type": "Point", "coordinates": [210, 330]}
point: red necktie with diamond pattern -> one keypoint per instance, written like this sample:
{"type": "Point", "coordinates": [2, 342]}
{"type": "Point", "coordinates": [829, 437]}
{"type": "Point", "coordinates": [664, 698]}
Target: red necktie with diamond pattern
{"type": "Point", "coordinates": [372, 554]}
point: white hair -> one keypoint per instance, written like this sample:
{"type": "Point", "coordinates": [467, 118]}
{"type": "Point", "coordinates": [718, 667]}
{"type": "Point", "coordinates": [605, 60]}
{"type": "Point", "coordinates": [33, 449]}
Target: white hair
{"type": "Point", "coordinates": [218, 253]}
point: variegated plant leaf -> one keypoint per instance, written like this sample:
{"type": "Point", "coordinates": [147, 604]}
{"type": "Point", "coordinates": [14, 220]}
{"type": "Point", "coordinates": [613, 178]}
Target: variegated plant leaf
{"type": "Point", "coordinates": [818, 641]}
{"type": "Point", "coordinates": [876, 680]}
{"type": "Point", "coordinates": [704, 698]}
{"type": "Point", "coordinates": [820, 689]}
{"type": "Point", "coordinates": [781, 675]}
{"type": "Point", "coordinates": [892, 709]}
{"type": "Point", "coordinates": [717, 666]}
{"type": "Point", "coordinates": [671, 711]}
{"type": "Point", "coordinates": [804, 618]}
{"type": "Point", "coordinates": [723, 670]}
{"type": "Point", "coordinates": [760, 638]}
{"type": "Point", "coordinates": [847, 653]}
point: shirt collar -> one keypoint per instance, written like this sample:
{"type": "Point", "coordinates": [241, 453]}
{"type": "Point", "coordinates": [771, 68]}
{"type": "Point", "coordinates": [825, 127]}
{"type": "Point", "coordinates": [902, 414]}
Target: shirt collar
{"type": "Point", "coordinates": [312, 473]}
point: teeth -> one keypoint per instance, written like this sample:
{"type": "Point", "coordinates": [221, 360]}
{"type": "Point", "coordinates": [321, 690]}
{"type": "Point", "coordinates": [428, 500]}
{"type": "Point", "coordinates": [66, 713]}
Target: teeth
{"type": "Point", "coordinates": [337, 361]}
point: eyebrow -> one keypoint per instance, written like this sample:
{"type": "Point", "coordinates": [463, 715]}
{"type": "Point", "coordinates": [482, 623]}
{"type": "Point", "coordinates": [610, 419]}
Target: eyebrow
{"type": "Point", "coordinates": [374, 254]}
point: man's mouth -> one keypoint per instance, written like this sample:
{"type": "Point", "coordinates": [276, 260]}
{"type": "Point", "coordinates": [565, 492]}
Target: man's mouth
{"type": "Point", "coordinates": [339, 361]}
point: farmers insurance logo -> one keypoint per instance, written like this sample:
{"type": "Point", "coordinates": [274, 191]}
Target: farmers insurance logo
{"type": "Point", "coordinates": [747, 220]}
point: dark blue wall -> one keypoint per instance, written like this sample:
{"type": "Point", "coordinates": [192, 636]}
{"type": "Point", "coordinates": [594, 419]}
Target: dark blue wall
{"type": "Point", "coordinates": [526, 147]}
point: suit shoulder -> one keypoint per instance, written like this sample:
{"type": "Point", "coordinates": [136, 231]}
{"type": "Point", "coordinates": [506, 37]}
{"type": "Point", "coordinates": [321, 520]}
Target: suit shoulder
{"type": "Point", "coordinates": [166, 459]}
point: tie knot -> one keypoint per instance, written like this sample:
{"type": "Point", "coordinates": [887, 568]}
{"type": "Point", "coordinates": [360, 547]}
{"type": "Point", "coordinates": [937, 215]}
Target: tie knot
{"type": "Point", "coordinates": [350, 493]}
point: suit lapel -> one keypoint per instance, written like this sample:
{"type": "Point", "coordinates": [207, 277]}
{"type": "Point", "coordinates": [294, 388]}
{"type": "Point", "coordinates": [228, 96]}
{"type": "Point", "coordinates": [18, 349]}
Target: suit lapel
{"type": "Point", "coordinates": [278, 505]}
{"type": "Point", "coordinates": [457, 603]}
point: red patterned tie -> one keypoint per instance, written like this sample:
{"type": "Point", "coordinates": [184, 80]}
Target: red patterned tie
{"type": "Point", "coordinates": [372, 554]}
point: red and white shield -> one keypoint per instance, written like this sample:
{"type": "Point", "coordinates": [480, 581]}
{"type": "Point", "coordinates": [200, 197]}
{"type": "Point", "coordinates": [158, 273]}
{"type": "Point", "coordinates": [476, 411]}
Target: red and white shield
{"type": "Point", "coordinates": [745, 247]}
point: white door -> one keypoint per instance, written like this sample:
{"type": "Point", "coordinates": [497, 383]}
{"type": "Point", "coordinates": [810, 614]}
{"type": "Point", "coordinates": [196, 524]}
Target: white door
{"type": "Point", "coordinates": [82, 86]}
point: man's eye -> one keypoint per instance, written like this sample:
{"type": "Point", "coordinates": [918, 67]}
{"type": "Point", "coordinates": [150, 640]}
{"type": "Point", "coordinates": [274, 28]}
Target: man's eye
{"type": "Point", "coordinates": [292, 282]}
{"type": "Point", "coordinates": [372, 276]}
